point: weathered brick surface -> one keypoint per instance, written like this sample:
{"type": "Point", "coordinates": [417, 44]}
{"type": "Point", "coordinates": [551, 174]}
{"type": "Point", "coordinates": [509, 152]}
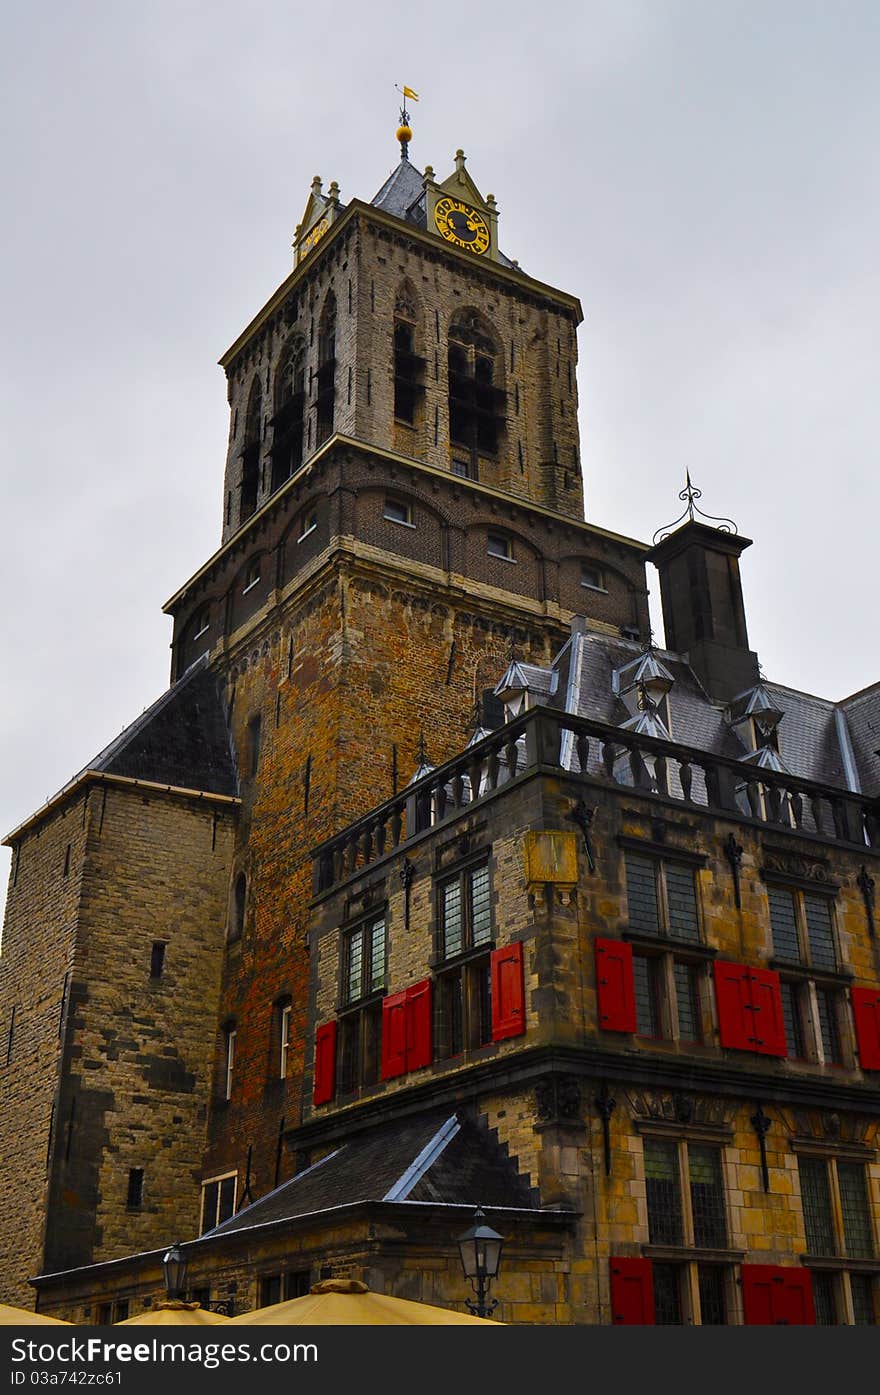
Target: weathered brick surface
{"type": "Point", "coordinates": [109, 1068]}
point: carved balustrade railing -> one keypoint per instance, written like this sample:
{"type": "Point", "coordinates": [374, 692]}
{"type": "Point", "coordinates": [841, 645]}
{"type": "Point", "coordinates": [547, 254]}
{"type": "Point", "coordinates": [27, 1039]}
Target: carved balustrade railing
{"type": "Point", "coordinates": [602, 755]}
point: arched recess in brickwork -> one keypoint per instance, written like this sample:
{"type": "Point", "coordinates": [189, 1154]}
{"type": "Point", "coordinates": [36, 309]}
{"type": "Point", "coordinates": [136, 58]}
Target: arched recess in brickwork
{"type": "Point", "coordinates": [288, 421]}
{"type": "Point", "coordinates": [237, 908]}
{"type": "Point", "coordinates": [477, 400]}
{"type": "Point", "coordinates": [593, 586]}
{"type": "Point", "coordinates": [409, 361]}
{"type": "Point", "coordinates": [326, 369]}
{"type": "Point", "coordinates": [404, 521]}
{"type": "Point", "coordinates": [250, 455]}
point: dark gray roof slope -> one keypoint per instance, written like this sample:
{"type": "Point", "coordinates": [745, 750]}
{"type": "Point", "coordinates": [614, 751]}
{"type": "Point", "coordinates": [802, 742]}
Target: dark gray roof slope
{"type": "Point", "coordinates": [182, 739]}
{"type": "Point", "coordinates": [834, 744]}
{"type": "Point", "coordinates": [435, 1157]}
{"type": "Point", "coordinates": [402, 195]}
{"type": "Point", "coordinates": [862, 712]}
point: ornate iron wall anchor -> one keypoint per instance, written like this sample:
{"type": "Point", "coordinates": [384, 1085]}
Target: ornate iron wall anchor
{"type": "Point", "coordinates": [734, 853]}
{"type": "Point", "coordinates": [407, 872]}
{"type": "Point", "coordinates": [761, 1124]}
{"type": "Point", "coordinates": [606, 1105]}
{"type": "Point", "coordinates": [583, 816]}
{"type": "Point", "coordinates": [865, 883]}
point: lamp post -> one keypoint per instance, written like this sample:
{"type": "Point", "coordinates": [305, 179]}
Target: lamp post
{"type": "Point", "coordinates": [174, 1271]}
{"type": "Point", "coordinates": [480, 1249]}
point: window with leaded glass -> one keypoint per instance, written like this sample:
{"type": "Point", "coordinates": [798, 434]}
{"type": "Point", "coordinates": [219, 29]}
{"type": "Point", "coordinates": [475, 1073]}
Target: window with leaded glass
{"type": "Point", "coordinates": [667, 1294]}
{"type": "Point", "coordinates": [464, 912]}
{"type": "Point", "coordinates": [707, 1196]}
{"type": "Point", "coordinates": [463, 1018]}
{"type": "Point", "coordinates": [824, 1299]}
{"type": "Point", "coordinates": [855, 1211]}
{"type": "Point", "coordinates": [803, 928]}
{"type": "Point", "coordinates": [864, 1306]}
{"type": "Point", "coordinates": [816, 1202]}
{"type": "Point", "coordinates": [663, 1189]}
{"type": "Point", "coordinates": [827, 1000]}
{"type": "Point", "coordinates": [713, 1298]}
{"type": "Point", "coordinates": [668, 994]}
{"type": "Point", "coordinates": [661, 898]}
{"type": "Point", "coordinates": [363, 968]}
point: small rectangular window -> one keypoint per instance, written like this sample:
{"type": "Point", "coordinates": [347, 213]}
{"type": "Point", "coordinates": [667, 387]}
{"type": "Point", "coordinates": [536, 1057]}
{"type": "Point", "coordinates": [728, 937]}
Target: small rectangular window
{"type": "Point", "coordinates": [230, 1063]}
{"type": "Point", "coordinates": [646, 973]}
{"type": "Point", "coordinates": [592, 577]}
{"type": "Point", "coordinates": [254, 734]}
{"type": "Point", "coordinates": [284, 1029]}
{"type": "Point", "coordinates": [218, 1201]}
{"type": "Point", "coordinates": [461, 468]}
{"type": "Point", "coordinates": [396, 511]}
{"type": "Point", "coordinates": [251, 578]}
{"type": "Point", "coordinates": [824, 1299]}
{"type": "Point", "coordinates": [203, 624]}
{"type": "Point", "coordinates": [499, 545]}
{"type": "Point", "coordinates": [862, 1288]}
{"type": "Point", "coordinates": [707, 1197]}
{"type": "Point", "coordinates": [794, 1027]}
{"type": "Point", "coordinates": [308, 525]}
{"type": "Point", "coordinates": [135, 1195]}
{"type": "Point", "coordinates": [157, 959]}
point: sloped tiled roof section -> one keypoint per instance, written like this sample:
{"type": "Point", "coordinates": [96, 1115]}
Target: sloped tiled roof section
{"type": "Point", "coordinates": [181, 740]}
{"type": "Point", "coordinates": [862, 713]}
{"type": "Point", "coordinates": [435, 1157]}
{"type": "Point", "coordinates": [833, 744]}
{"type": "Point", "coordinates": [403, 188]}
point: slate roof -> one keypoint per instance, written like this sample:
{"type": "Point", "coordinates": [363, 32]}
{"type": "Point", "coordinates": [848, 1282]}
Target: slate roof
{"type": "Point", "coordinates": [831, 743]}
{"type": "Point", "coordinates": [182, 739]}
{"type": "Point", "coordinates": [439, 1156]}
{"type": "Point", "coordinates": [402, 195]}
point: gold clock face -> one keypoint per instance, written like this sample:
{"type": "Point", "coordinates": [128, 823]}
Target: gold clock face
{"type": "Point", "coordinates": [462, 225]}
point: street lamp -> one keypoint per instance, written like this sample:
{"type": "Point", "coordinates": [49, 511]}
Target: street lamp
{"type": "Point", "coordinates": [174, 1271]}
{"type": "Point", "coordinates": [480, 1248]}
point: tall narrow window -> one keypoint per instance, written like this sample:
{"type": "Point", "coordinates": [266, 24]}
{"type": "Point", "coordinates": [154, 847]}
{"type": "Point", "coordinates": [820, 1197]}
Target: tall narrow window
{"type": "Point", "coordinates": [135, 1197]}
{"type": "Point", "coordinates": [477, 402]}
{"type": "Point", "coordinates": [284, 1039]}
{"type": "Point", "coordinates": [157, 959]}
{"type": "Point", "coordinates": [250, 456]}
{"type": "Point", "coordinates": [239, 905]}
{"type": "Point", "coordinates": [289, 419]}
{"type": "Point", "coordinates": [409, 367]}
{"type": "Point", "coordinates": [229, 1062]}
{"type": "Point", "coordinates": [326, 368]}
{"type": "Point", "coordinates": [665, 1224]}
{"type": "Point", "coordinates": [254, 731]}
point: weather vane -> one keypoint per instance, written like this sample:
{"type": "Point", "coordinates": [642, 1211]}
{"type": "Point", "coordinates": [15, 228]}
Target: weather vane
{"type": "Point", "coordinates": [689, 496]}
{"type": "Point", "coordinates": [404, 130]}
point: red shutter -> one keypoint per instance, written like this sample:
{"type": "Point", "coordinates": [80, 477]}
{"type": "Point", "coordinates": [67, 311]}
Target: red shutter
{"type": "Point", "coordinates": [508, 994]}
{"type": "Point", "coordinates": [769, 1024]}
{"type": "Point", "coordinates": [733, 995]}
{"type": "Point", "coordinates": [393, 1035]}
{"type": "Point", "coordinates": [777, 1296]}
{"type": "Point", "coordinates": [866, 1013]}
{"type": "Point", "coordinates": [418, 1025]}
{"type": "Point", "coordinates": [632, 1292]}
{"type": "Point", "coordinates": [325, 1063]}
{"type": "Point", "coordinates": [615, 986]}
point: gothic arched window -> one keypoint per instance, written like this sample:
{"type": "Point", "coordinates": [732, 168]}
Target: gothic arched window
{"type": "Point", "coordinates": [326, 368]}
{"type": "Point", "coordinates": [288, 421]}
{"type": "Point", "coordinates": [409, 368]}
{"type": "Point", "coordinates": [476, 399]}
{"type": "Point", "coordinates": [250, 456]}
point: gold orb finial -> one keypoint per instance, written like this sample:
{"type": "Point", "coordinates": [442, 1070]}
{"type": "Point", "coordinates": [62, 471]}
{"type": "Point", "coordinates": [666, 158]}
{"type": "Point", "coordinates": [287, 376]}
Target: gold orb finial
{"type": "Point", "coordinates": [404, 134]}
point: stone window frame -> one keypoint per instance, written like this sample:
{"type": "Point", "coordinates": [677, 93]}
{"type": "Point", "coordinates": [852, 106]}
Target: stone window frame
{"type": "Point", "coordinates": [462, 1023]}
{"type": "Point", "coordinates": [503, 552]}
{"type": "Point", "coordinates": [359, 1017]}
{"type": "Point", "coordinates": [815, 1002]}
{"type": "Point", "coordinates": [665, 989]}
{"type": "Point", "coordinates": [394, 502]}
{"type": "Point", "coordinates": [663, 855]}
{"type": "Point", "coordinates": [687, 1261]}
{"type": "Point", "coordinates": [597, 571]}
{"type": "Point", "coordinates": [838, 1269]}
{"type": "Point", "coordinates": [251, 576]}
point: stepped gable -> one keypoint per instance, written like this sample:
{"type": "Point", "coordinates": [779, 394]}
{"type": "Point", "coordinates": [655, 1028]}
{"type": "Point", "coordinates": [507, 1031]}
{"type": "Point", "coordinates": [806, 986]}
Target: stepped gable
{"type": "Point", "coordinates": [435, 1157]}
{"type": "Point", "coordinates": [181, 740]}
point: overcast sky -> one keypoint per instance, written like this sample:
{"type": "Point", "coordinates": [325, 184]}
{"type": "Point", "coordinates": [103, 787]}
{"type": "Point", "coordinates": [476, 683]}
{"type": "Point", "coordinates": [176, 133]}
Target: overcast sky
{"type": "Point", "coordinates": [703, 174]}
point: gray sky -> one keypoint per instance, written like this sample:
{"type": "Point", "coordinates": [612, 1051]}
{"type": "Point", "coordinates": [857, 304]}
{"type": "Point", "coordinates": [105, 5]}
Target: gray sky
{"type": "Point", "coordinates": [702, 173]}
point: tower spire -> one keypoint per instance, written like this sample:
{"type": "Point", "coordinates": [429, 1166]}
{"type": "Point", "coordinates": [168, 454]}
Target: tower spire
{"type": "Point", "coordinates": [404, 130]}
